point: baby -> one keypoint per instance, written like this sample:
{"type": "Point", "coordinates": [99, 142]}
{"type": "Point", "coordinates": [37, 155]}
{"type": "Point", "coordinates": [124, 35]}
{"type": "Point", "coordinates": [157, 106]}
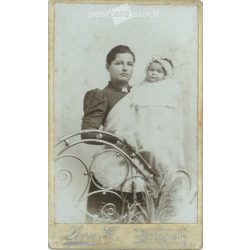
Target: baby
{"type": "Point", "coordinates": [164, 92]}
{"type": "Point", "coordinates": [150, 119]}
{"type": "Point", "coordinates": [158, 69]}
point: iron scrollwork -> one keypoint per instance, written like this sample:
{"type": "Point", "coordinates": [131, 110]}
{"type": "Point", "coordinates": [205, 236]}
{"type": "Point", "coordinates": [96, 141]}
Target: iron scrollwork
{"type": "Point", "coordinates": [122, 173]}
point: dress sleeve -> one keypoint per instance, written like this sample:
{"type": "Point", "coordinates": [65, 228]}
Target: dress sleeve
{"type": "Point", "coordinates": [95, 107]}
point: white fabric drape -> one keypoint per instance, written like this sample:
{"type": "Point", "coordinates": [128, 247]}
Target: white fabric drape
{"type": "Point", "coordinates": [150, 119]}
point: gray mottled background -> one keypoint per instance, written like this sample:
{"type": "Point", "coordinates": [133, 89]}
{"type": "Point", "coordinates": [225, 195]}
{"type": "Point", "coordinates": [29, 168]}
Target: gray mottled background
{"type": "Point", "coordinates": [80, 48]}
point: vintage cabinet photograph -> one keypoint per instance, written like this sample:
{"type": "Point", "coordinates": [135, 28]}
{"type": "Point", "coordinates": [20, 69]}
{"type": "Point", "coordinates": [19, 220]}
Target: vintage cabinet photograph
{"type": "Point", "coordinates": [125, 124]}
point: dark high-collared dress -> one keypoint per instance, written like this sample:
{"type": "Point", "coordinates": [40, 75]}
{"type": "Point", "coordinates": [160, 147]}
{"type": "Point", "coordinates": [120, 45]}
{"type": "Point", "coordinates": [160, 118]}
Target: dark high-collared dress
{"type": "Point", "coordinates": [97, 104]}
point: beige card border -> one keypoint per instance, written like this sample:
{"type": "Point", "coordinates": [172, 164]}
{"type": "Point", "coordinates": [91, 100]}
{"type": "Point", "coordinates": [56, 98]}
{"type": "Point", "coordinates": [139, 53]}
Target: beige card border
{"type": "Point", "coordinates": [125, 236]}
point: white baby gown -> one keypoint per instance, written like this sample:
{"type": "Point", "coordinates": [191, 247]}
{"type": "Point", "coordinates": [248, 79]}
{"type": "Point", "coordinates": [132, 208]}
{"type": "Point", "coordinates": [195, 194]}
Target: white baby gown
{"type": "Point", "coordinates": [150, 119]}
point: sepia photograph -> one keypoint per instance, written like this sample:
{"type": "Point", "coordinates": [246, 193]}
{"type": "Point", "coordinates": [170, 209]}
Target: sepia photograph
{"type": "Point", "coordinates": [125, 124]}
{"type": "Point", "coordinates": [132, 124]}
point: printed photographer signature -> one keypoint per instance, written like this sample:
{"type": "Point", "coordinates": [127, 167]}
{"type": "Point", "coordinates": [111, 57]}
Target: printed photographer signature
{"type": "Point", "coordinates": [76, 236]}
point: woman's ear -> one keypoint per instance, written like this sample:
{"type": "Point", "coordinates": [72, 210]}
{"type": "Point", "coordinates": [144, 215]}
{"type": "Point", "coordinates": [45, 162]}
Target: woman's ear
{"type": "Point", "coordinates": [107, 67]}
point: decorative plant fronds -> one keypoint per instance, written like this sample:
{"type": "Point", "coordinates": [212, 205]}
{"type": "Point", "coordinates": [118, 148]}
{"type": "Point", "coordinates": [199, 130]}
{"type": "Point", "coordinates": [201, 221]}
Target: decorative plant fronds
{"type": "Point", "coordinates": [138, 214]}
{"type": "Point", "coordinates": [157, 208]}
{"type": "Point", "coordinates": [162, 206]}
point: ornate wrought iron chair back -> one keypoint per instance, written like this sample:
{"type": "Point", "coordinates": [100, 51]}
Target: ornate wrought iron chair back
{"type": "Point", "coordinates": [114, 170]}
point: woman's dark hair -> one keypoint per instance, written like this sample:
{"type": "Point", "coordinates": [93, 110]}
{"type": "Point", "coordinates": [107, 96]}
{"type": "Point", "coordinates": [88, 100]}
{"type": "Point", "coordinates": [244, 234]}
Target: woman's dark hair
{"type": "Point", "coordinates": [117, 50]}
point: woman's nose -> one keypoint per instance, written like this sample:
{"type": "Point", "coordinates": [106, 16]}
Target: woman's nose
{"type": "Point", "coordinates": [124, 67]}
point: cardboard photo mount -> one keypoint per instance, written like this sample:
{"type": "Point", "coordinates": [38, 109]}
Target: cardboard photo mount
{"type": "Point", "coordinates": [64, 234]}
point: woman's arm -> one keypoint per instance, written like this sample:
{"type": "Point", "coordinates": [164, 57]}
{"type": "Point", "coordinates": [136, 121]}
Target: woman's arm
{"type": "Point", "coordinates": [95, 107]}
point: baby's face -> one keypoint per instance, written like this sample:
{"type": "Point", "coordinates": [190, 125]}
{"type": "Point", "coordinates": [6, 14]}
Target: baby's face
{"type": "Point", "coordinates": [155, 72]}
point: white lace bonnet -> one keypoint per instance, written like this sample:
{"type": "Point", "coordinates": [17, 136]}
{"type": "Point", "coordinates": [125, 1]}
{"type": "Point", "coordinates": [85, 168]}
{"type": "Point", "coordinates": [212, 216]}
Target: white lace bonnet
{"type": "Point", "coordinates": [164, 62]}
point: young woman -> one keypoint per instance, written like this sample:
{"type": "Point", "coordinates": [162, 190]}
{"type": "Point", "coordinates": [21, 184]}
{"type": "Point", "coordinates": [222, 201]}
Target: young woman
{"type": "Point", "coordinates": [97, 105]}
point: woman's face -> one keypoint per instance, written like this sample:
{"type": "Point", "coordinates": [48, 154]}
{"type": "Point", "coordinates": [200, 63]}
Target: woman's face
{"type": "Point", "coordinates": [121, 68]}
{"type": "Point", "coordinates": [155, 72]}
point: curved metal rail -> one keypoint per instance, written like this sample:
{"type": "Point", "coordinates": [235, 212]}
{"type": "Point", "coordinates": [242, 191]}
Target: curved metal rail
{"type": "Point", "coordinates": [133, 210]}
